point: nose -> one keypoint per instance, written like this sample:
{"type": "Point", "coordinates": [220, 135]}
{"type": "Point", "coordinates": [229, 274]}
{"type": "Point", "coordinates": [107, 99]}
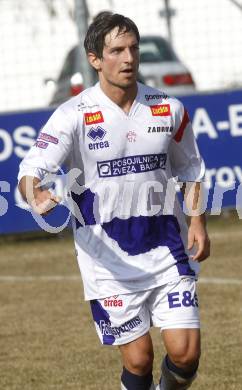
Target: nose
{"type": "Point", "coordinates": [129, 56]}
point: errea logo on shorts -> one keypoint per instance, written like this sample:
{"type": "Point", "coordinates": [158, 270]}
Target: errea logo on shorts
{"type": "Point", "coordinates": [93, 117]}
{"type": "Point", "coordinates": [161, 110]}
{"type": "Point", "coordinates": [113, 301]}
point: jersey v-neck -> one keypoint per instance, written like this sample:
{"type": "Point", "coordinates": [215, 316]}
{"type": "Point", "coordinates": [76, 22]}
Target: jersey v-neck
{"type": "Point", "coordinates": [109, 102]}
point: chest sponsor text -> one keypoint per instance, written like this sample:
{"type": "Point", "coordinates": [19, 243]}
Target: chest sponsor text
{"type": "Point", "coordinates": [131, 164]}
{"type": "Point", "coordinates": [160, 129]}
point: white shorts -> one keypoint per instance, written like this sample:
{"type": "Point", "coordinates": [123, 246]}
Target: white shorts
{"type": "Point", "coordinates": [123, 318]}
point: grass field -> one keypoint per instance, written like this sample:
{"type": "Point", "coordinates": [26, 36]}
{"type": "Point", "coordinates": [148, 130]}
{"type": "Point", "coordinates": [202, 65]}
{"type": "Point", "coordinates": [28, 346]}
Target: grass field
{"type": "Point", "coordinates": [47, 337]}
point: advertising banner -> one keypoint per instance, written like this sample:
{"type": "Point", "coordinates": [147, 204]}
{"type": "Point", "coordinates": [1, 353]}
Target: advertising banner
{"type": "Point", "coordinates": [217, 123]}
{"type": "Point", "coordinates": [18, 132]}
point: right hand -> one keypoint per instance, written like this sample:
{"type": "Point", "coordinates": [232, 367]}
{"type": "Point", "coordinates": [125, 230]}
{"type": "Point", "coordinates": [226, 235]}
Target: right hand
{"type": "Point", "coordinates": [44, 201]}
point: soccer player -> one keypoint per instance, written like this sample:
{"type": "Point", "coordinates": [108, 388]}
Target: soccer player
{"type": "Point", "coordinates": [137, 257]}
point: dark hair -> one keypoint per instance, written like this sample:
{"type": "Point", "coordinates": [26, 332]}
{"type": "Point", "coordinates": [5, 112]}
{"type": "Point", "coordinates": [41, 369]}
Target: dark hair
{"type": "Point", "coordinates": [102, 24]}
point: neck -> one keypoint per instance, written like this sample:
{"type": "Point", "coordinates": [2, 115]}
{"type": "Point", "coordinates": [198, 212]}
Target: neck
{"type": "Point", "coordinates": [123, 97]}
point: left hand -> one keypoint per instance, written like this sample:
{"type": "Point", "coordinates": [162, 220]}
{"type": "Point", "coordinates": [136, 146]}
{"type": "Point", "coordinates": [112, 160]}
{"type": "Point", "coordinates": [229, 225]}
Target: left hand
{"type": "Point", "coordinates": [198, 236]}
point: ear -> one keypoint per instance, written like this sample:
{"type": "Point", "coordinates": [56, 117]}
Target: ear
{"type": "Point", "coordinates": [94, 61]}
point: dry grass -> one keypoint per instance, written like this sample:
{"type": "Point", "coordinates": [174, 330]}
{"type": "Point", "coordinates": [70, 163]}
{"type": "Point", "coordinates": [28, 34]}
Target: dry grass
{"type": "Point", "coordinates": [47, 337]}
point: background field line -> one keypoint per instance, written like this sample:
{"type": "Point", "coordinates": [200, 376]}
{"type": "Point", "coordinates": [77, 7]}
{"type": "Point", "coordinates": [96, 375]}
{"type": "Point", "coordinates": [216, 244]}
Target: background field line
{"type": "Point", "coordinates": [44, 278]}
{"type": "Point", "coordinates": [225, 234]}
{"type": "Point", "coordinates": [56, 278]}
{"type": "Point", "coordinates": [220, 280]}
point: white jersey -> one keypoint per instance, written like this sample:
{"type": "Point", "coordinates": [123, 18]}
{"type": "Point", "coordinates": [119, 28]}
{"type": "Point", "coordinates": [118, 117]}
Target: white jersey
{"type": "Point", "coordinates": [130, 234]}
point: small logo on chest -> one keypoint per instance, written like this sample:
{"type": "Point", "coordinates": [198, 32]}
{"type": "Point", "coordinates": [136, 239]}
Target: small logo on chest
{"type": "Point", "coordinates": [97, 134]}
{"type": "Point", "coordinates": [131, 136]}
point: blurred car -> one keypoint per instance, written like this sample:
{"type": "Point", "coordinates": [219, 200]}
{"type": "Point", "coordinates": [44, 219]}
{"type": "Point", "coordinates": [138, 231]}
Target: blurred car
{"type": "Point", "coordinates": [70, 81]}
{"type": "Point", "coordinates": [159, 68]}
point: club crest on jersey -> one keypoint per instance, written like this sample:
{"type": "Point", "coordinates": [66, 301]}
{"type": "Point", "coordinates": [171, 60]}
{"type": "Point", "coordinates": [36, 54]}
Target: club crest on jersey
{"type": "Point", "coordinates": [97, 134]}
{"type": "Point", "coordinates": [92, 118]}
{"type": "Point", "coordinates": [131, 136]}
{"type": "Point", "coordinates": [161, 110]}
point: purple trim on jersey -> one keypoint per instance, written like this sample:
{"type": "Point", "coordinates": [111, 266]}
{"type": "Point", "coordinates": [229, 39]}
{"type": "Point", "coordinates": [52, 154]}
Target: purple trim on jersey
{"type": "Point", "coordinates": [85, 202]}
{"type": "Point", "coordinates": [137, 235]}
{"type": "Point", "coordinates": [101, 316]}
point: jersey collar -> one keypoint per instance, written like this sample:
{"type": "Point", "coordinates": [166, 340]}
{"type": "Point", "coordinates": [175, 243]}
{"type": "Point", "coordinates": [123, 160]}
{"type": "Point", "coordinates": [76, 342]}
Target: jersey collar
{"type": "Point", "coordinates": [102, 97]}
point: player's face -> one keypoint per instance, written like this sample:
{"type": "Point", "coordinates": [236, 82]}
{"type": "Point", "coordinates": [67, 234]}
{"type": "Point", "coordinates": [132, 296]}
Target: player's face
{"type": "Point", "coordinates": [120, 62]}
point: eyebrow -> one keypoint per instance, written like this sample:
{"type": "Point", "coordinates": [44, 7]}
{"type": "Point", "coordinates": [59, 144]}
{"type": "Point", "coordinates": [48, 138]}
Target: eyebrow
{"type": "Point", "coordinates": [121, 46]}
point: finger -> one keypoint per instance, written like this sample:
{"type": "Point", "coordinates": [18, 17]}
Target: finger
{"type": "Point", "coordinates": [57, 199]}
{"type": "Point", "coordinates": [44, 207]}
{"type": "Point", "coordinates": [49, 205]}
{"type": "Point", "coordinates": [206, 251]}
{"type": "Point", "coordinates": [199, 255]}
{"type": "Point", "coordinates": [190, 242]}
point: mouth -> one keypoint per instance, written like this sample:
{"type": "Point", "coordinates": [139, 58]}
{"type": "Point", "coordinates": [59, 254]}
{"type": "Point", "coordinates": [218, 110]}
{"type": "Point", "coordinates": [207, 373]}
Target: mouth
{"type": "Point", "coordinates": [128, 71]}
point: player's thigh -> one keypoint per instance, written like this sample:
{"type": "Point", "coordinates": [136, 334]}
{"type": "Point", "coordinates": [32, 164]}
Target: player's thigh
{"type": "Point", "coordinates": [138, 355]}
{"type": "Point", "coordinates": [174, 309]}
{"type": "Point", "coordinates": [183, 345]}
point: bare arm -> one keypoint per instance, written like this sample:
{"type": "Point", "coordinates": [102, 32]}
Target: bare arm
{"type": "Point", "coordinates": [42, 201]}
{"type": "Point", "coordinates": [197, 232]}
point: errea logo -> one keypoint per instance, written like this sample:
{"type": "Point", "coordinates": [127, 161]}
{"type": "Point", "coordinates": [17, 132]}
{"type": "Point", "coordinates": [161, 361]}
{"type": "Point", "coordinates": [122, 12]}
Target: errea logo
{"type": "Point", "coordinates": [95, 134]}
{"type": "Point", "coordinates": [113, 301]}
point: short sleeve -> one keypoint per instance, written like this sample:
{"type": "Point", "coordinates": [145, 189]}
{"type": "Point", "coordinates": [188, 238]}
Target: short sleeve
{"type": "Point", "coordinates": [53, 145]}
{"type": "Point", "coordinates": [185, 159]}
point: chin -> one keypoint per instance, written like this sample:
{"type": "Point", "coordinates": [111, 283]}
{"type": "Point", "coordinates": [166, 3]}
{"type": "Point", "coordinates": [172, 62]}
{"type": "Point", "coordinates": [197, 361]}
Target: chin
{"type": "Point", "coordinates": [127, 83]}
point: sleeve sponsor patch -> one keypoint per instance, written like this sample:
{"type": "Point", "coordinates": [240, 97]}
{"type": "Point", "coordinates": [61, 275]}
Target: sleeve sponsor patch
{"type": "Point", "coordinates": [161, 110]}
{"type": "Point", "coordinates": [48, 138]}
{"type": "Point", "coordinates": [41, 144]}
